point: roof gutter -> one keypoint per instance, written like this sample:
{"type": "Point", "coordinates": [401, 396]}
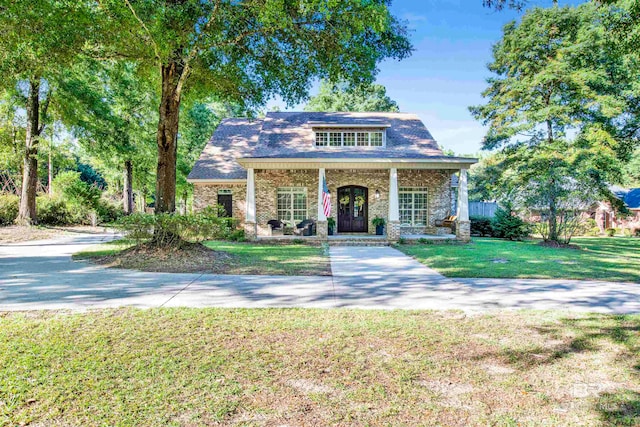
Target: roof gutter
{"type": "Point", "coordinates": [357, 163]}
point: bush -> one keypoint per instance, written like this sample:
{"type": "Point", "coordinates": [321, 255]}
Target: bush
{"type": "Point", "coordinates": [108, 211]}
{"type": "Point", "coordinates": [9, 206]}
{"type": "Point", "coordinates": [610, 232]}
{"type": "Point", "coordinates": [507, 225]}
{"type": "Point", "coordinates": [174, 229]}
{"type": "Point", "coordinates": [52, 211]}
{"type": "Point", "coordinates": [636, 232]}
{"type": "Point", "coordinates": [76, 191]}
{"type": "Point", "coordinates": [481, 226]}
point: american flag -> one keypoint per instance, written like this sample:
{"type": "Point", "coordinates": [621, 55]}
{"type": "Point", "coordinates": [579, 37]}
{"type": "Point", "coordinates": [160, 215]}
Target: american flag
{"type": "Point", "coordinates": [326, 198]}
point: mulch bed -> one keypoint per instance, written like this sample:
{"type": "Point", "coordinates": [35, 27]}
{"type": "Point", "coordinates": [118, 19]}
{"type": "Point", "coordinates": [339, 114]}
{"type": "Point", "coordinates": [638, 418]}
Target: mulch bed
{"type": "Point", "coordinates": [189, 258]}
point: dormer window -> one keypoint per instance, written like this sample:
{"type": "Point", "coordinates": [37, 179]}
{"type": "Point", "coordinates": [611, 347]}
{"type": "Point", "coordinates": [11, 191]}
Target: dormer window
{"type": "Point", "coordinates": [350, 138]}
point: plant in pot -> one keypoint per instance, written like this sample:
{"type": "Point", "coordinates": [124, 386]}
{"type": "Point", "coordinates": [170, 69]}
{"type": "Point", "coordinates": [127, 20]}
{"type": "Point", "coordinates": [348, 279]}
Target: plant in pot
{"type": "Point", "coordinates": [331, 226]}
{"type": "Point", "coordinates": [379, 223]}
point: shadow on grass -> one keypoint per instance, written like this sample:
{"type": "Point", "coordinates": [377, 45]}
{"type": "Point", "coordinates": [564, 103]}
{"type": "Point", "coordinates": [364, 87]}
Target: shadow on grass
{"type": "Point", "coordinates": [621, 408]}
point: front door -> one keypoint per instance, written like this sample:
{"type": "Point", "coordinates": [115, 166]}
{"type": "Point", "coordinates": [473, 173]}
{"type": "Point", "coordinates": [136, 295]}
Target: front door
{"type": "Point", "coordinates": [352, 209]}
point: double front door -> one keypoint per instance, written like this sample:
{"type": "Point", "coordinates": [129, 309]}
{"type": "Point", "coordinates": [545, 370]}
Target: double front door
{"type": "Point", "coordinates": [352, 209]}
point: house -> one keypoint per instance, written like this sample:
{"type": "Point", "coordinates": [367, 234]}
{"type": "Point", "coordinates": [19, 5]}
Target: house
{"type": "Point", "coordinates": [374, 165]}
{"type": "Point", "coordinates": [607, 217]}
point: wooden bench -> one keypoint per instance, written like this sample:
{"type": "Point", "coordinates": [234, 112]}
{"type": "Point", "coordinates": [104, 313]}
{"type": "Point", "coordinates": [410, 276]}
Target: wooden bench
{"type": "Point", "coordinates": [447, 222]}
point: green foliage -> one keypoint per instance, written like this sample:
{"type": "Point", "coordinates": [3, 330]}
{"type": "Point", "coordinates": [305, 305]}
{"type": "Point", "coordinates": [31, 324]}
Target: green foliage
{"type": "Point", "coordinates": [8, 208]}
{"type": "Point", "coordinates": [377, 221]}
{"type": "Point", "coordinates": [636, 232]}
{"type": "Point", "coordinates": [331, 222]}
{"type": "Point", "coordinates": [507, 225]}
{"type": "Point", "coordinates": [342, 97]}
{"type": "Point", "coordinates": [53, 211]}
{"type": "Point", "coordinates": [76, 191]}
{"type": "Point", "coordinates": [173, 229]}
{"type": "Point", "coordinates": [555, 111]}
{"type": "Point", "coordinates": [589, 227]}
{"type": "Point", "coordinates": [481, 226]}
{"type": "Point", "coordinates": [610, 232]}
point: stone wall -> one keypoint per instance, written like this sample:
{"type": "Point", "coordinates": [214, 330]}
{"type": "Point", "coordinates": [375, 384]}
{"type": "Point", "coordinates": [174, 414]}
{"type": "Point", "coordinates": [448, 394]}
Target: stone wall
{"type": "Point", "coordinates": [207, 195]}
{"type": "Point", "coordinates": [438, 184]}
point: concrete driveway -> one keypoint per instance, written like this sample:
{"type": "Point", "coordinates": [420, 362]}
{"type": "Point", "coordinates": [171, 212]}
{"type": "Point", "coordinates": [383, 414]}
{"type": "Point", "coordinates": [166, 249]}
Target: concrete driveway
{"type": "Point", "coordinates": [41, 275]}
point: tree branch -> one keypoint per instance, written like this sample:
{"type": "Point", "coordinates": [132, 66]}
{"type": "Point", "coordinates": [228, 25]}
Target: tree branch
{"type": "Point", "coordinates": [153, 42]}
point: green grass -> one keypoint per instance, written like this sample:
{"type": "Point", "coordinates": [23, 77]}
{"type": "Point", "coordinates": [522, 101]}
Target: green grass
{"type": "Point", "coordinates": [105, 249]}
{"type": "Point", "coordinates": [599, 258]}
{"type": "Point", "coordinates": [250, 258]}
{"type": "Point", "coordinates": [239, 258]}
{"type": "Point", "coordinates": [178, 367]}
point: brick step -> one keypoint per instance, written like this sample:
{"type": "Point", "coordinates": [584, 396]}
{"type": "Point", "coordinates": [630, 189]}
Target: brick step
{"type": "Point", "coordinates": [358, 242]}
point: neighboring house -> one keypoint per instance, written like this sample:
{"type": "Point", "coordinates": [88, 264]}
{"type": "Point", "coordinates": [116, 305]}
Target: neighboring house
{"type": "Point", "coordinates": [374, 164]}
{"type": "Point", "coordinates": [607, 217]}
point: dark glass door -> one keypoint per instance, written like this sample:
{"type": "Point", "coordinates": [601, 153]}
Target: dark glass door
{"type": "Point", "coordinates": [225, 200]}
{"type": "Point", "coordinates": [352, 209]}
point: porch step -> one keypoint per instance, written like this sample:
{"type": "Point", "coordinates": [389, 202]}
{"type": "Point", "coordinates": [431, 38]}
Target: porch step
{"type": "Point", "coordinates": [358, 242]}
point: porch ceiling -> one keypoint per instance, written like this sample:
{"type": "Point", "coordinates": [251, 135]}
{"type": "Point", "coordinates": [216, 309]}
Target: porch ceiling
{"type": "Point", "coordinates": [351, 163]}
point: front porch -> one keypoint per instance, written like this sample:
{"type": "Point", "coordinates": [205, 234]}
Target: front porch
{"type": "Point", "coordinates": [356, 239]}
{"type": "Point", "coordinates": [411, 200]}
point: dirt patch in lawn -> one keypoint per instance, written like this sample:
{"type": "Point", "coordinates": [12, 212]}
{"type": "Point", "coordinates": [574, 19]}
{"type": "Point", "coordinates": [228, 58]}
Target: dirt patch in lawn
{"type": "Point", "coordinates": [189, 258]}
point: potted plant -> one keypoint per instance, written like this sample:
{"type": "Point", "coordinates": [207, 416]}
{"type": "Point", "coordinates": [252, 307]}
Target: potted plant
{"type": "Point", "coordinates": [331, 225]}
{"type": "Point", "coordinates": [379, 223]}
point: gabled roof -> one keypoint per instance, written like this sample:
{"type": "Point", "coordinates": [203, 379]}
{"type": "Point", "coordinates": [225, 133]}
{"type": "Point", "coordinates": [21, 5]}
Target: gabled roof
{"type": "Point", "coordinates": [630, 197]}
{"type": "Point", "coordinates": [290, 135]}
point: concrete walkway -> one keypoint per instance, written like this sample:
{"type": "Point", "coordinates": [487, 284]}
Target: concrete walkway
{"type": "Point", "coordinates": [41, 275]}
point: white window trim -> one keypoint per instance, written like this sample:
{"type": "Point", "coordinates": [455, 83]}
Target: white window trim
{"type": "Point", "coordinates": [292, 190]}
{"type": "Point", "coordinates": [413, 191]}
{"type": "Point", "coordinates": [355, 141]}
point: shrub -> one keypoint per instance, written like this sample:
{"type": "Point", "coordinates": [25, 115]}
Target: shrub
{"type": "Point", "coordinates": [588, 227]}
{"type": "Point", "coordinates": [108, 211]}
{"type": "Point", "coordinates": [52, 211]}
{"type": "Point", "coordinates": [507, 225]}
{"type": "Point", "coordinates": [74, 190]}
{"type": "Point", "coordinates": [9, 205]}
{"type": "Point", "coordinates": [610, 232]}
{"type": "Point", "coordinates": [481, 226]}
{"type": "Point", "coordinates": [636, 232]}
{"type": "Point", "coordinates": [174, 229]}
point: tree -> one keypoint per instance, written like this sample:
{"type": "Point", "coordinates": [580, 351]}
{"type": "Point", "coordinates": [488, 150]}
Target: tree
{"type": "Point", "coordinates": [245, 52]}
{"type": "Point", "coordinates": [557, 108]}
{"type": "Point", "coordinates": [342, 97]}
{"type": "Point", "coordinates": [37, 41]}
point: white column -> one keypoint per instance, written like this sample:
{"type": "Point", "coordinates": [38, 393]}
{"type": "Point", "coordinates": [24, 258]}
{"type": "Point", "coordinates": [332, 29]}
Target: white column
{"type": "Point", "coordinates": [394, 209]}
{"type": "Point", "coordinates": [463, 198]}
{"type": "Point", "coordinates": [321, 215]}
{"type": "Point", "coordinates": [251, 197]}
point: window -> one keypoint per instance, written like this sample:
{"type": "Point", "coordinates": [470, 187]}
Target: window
{"type": "Point", "coordinates": [292, 204]}
{"type": "Point", "coordinates": [363, 139]}
{"type": "Point", "coordinates": [375, 139]}
{"type": "Point", "coordinates": [225, 200]}
{"type": "Point", "coordinates": [350, 139]}
{"type": "Point", "coordinates": [413, 205]}
{"type": "Point", "coordinates": [321, 139]}
{"type": "Point", "coordinates": [335, 139]}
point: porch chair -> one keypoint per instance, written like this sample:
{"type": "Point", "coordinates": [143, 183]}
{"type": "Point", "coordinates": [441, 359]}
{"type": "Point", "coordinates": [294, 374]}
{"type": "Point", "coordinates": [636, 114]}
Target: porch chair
{"type": "Point", "coordinates": [305, 228]}
{"type": "Point", "coordinates": [447, 222]}
{"type": "Point", "coordinates": [276, 226]}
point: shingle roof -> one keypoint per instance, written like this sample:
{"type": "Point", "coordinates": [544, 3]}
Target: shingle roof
{"type": "Point", "coordinates": [290, 135]}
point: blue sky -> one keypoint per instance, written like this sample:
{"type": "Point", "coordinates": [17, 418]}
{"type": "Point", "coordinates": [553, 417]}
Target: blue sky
{"type": "Point", "coordinates": [447, 71]}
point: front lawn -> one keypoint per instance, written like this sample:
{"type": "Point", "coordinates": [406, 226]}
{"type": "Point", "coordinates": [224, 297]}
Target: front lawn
{"type": "Point", "coordinates": [212, 257]}
{"type": "Point", "coordinates": [188, 367]}
{"type": "Point", "coordinates": [599, 258]}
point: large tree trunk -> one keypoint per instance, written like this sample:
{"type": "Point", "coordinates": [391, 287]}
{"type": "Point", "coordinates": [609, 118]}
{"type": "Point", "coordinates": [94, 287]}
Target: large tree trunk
{"type": "Point", "coordinates": [27, 212]}
{"type": "Point", "coordinates": [167, 137]}
{"type": "Point", "coordinates": [127, 191]}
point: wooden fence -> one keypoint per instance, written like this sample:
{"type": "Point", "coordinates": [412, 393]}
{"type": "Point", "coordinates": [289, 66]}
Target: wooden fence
{"type": "Point", "coordinates": [487, 209]}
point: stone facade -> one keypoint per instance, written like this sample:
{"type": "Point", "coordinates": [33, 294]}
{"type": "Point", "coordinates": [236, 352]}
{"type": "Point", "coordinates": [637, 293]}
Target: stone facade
{"type": "Point", "coordinates": [207, 195]}
{"type": "Point", "coordinates": [438, 184]}
{"type": "Point", "coordinates": [463, 230]}
{"type": "Point", "coordinates": [267, 182]}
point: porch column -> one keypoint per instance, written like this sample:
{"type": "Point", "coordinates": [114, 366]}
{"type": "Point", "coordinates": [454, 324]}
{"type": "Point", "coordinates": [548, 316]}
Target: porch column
{"type": "Point", "coordinates": [250, 212]}
{"type": "Point", "coordinates": [463, 226]}
{"type": "Point", "coordinates": [393, 227]}
{"type": "Point", "coordinates": [321, 225]}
